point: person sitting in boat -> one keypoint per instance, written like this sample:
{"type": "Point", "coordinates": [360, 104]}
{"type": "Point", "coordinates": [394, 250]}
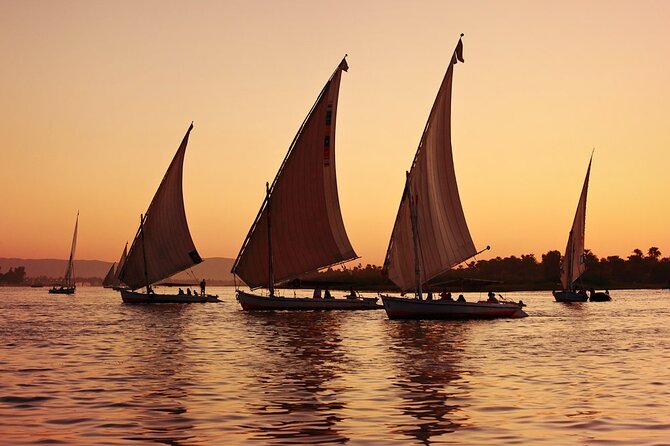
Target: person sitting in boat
{"type": "Point", "coordinates": [461, 298]}
{"type": "Point", "coordinates": [429, 296]}
{"type": "Point", "coordinates": [180, 291]}
{"type": "Point", "coordinates": [326, 294]}
{"type": "Point", "coordinates": [151, 289]}
{"type": "Point", "coordinates": [444, 295]}
{"type": "Point", "coordinates": [203, 284]}
{"type": "Point", "coordinates": [352, 294]}
{"type": "Point", "coordinates": [188, 291]}
{"type": "Point", "coordinates": [492, 298]}
{"type": "Point", "coordinates": [607, 292]}
{"type": "Point", "coordinates": [317, 293]}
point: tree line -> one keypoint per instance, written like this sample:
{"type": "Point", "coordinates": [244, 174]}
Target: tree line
{"type": "Point", "coordinates": [638, 270]}
{"type": "Point", "coordinates": [15, 276]}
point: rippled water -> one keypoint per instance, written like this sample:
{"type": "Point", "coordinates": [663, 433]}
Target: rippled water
{"type": "Point", "coordinates": [91, 370]}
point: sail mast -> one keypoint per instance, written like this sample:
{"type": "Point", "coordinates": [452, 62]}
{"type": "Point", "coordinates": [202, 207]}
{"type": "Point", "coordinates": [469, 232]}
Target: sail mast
{"type": "Point", "coordinates": [271, 279]}
{"type": "Point", "coordinates": [144, 253]}
{"type": "Point", "coordinates": [415, 236]}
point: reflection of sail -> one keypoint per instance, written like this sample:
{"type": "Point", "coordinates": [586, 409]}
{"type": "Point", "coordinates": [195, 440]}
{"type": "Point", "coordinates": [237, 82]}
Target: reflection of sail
{"type": "Point", "coordinates": [428, 377]}
{"type": "Point", "coordinates": [303, 358]}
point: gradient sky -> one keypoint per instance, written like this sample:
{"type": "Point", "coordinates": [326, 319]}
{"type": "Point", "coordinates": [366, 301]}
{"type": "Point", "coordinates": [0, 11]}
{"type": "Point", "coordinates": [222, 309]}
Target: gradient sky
{"type": "Point", "coordinates": [96, 95]}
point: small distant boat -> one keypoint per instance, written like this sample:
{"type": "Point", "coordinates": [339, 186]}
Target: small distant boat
{"type": "Point", "coordinates": [600, 296]}
{"type": "Point", "coordinates": [111, 280]}
{"type": "Point", "coordinates": [299, 228]}
{"type": "Point", "coordinates": [573, 264]}
{"type": "Point", "coordinates": [68, 285]}
{"type": "Point", "coordinates": [163, 245]}
{"type": "Point", "coordinates": [430, 235]}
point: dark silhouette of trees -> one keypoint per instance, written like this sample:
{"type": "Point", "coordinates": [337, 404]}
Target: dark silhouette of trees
{"type": "Point", "coordinates": [14, 276]}
{"type": "Point", "coordinates": [524, 273]}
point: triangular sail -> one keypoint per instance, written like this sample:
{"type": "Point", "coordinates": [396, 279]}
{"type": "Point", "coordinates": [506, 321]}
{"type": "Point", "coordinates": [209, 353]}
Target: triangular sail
{"type": "Point", "coordinates": [307, 227]}
{"type": "Point", "coordinates": [163, 245]}
{"type": "Point", "coordinates": [69, 272]}
{"type": "Point", "coordinates": [573, 264]}
{"type": "Point", "coordinates": [443, 236]}
{"type": "Point", "coordinates": [110, 278]}
{"type": "Point", "coordinates": [122, 262]}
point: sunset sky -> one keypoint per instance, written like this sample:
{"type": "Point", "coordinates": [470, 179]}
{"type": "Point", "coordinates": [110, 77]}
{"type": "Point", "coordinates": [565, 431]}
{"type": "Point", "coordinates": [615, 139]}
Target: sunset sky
{"type": "Point", "coordinates": [96, 96]}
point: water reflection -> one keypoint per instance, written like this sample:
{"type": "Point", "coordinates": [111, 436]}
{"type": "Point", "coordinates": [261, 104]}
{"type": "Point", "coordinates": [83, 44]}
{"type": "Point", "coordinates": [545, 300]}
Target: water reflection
{"type": "Point", "coordinates": [428, 378]}
{"type": "Point", "coordinates": [298, 378]}
{"type": "Point", "coordinates": [159, 374]}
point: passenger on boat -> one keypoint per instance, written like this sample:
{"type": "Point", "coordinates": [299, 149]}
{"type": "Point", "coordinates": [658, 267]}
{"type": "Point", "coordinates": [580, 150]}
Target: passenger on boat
{"type": "Point", "coordinates": [188, 291]}
{"type": "Point", "coordinates": [429, 296]}
{"type": "Point", "coordinates": [180, 291]}
{"type": "Point", "coordinates": [492, 298]}
{"type": "Point", "coordinates": [461, 298]}
{"type": "Point", "coordinates": [151, 289]}
{"type": "Point", "coordinates": [203, 284]}
{"type": "Point", "coordinates": [317, 293]}
{"type": "Point", "coordinates": [326, 294]}
{"type": "Point", "coordinates": [352, 294]}
{"type": "Point", "coordinates": [444, 295]}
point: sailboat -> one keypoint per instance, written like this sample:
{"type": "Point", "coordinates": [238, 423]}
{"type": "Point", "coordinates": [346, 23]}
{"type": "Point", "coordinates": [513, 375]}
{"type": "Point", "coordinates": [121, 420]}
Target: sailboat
{"type": "Point", "coordinates": [299, 227]}
{"type": "Point", "coordinates": [68, 286]}
{"type": "Point", "coordinates": [430, 235]}
{"type": "Point", "coordinates": [573, 263]}
{"type": "Point", "coordinates": [163, 245]}
{"type": "Point", "coordinates": [110, 277]}
{"type": "Point", "coordinates": [111, 280]}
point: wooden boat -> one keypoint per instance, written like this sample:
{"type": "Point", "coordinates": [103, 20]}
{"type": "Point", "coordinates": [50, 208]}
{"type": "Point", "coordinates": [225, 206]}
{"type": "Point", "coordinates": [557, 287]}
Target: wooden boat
{"type": "Point", "coordinates": [402, 308]}
{"type": "Point", "coordinates": [299, 227]}
{"type": "Point", "coordinates": [68, 285]}
{"type": "Point", "coordinates": [430, 234]}
{"type": "Point", "coordinates": [600, 296]}
{"type": "Point", "coordinates": [163, 245]}
{"type": "Point", "coordinates": [573, 263]}
{"type": "Point", "coordinates": [251, 302]}
{"type": "Point", "coordinates": [111, 280]}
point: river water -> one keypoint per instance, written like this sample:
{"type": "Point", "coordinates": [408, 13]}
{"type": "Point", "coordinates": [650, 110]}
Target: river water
{"type": "Point", "coordinates": [91, 370]}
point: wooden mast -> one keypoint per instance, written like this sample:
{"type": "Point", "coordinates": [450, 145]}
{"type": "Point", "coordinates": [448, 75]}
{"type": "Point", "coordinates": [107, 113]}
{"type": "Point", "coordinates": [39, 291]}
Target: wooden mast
{"type": "Point", "coordinates": [271, 280]}
{"type": "Point", "coordinates": [144, 254]}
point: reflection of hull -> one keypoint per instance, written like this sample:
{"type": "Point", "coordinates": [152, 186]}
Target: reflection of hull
{"type": "Point", "coordinates": [569, 296]}
{"type": "Point", "coordinates": [251, 302]}
{"type": "Point", "coordinates": [402, 308]}
{"type": "Point", "coordinates": [62, 290]}
{"type": "Point", "coordinates": [132, 297]}
{"type": "Point", "coordinates": [600, 297]}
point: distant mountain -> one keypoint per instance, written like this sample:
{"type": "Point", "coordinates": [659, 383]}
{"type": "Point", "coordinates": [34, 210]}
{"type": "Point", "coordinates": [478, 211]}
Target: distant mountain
{"type": "Point", "coordinates": [213, 268]}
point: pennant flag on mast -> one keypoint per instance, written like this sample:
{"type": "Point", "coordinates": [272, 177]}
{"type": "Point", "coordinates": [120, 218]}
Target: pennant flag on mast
{"type": "Point", "coordinates": [459, 50]}
{"type": "Point", "coordinates": [343, 65]}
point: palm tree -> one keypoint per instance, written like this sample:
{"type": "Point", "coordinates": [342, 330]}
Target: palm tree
{"type": "Point", "coordinates": [654, 253]}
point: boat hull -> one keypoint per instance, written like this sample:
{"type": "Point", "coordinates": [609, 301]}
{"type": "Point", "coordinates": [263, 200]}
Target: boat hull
{"type": "Point", "coordinates": [600, 297]}
{"type": "Point", "coordinates": [62, 290]}
{"type": "Point", "coordinates": [252, 302]}
{"type": "Point", "coordinates": [569, 296]}
{"type": "Point", "coordinates": [403, 308]}
{"type": "Point", "coordinates": [132, 297]}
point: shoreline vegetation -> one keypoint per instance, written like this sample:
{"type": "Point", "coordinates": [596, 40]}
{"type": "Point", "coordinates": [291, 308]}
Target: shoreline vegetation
{"type": "Point", "coordinates": [525, 273]}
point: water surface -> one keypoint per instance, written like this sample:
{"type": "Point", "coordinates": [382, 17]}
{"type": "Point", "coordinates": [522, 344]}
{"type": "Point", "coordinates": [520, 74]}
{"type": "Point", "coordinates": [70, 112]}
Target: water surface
{"type": "Point", "coordinates": [91, 370]}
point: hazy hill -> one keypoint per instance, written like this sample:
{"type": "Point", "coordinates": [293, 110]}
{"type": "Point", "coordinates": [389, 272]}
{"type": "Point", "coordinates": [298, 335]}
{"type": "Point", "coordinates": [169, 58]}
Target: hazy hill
{"type": "Point", "coordinates": [213, 268]}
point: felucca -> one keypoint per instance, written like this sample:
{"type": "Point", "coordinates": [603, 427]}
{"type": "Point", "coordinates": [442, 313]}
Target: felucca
{"type": "Point", "coordinates": [299, 227]}
{"type": "Point", "coordinates": [68, 286]}
{"type": "Point", "coordinates": [573, 263]}
{"type": "Point", "coordinates": [163, 245]}
{"type": "Point", "coordinates": [111, 280]}
{"type": "Point", "coordinates": [430, 235]}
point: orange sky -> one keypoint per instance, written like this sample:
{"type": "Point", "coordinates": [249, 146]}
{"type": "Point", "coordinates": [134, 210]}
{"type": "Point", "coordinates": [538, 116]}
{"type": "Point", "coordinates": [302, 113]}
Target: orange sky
{"type": "Point", "coordinates": [96, 97]}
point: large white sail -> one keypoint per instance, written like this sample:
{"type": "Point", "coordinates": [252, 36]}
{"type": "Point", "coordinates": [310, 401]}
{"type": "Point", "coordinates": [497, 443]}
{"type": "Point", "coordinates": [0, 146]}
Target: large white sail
{"type": "Point", "coordinates": [307, 230]}
{"type": "Point", "coordinates": [443, 236]}
{"type": "Point", "coordinates": [69, 272]}
{"type": "Point", "coordinates": [163, 245]}
{"type": "Point", "coordinates": [573, 263]}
